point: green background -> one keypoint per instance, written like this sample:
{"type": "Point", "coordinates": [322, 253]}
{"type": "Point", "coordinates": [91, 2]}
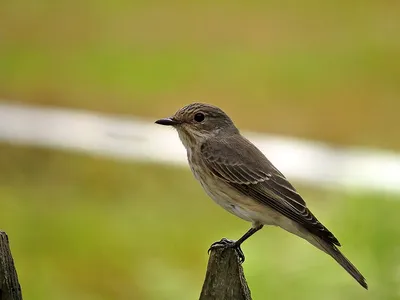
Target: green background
{"type": "Point", "coordinates": [84, 227]}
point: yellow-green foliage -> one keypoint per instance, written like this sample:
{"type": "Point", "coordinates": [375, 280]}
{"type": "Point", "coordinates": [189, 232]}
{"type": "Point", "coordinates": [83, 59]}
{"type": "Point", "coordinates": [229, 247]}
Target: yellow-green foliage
{"type": "Point", "coordinates": [328, 71]}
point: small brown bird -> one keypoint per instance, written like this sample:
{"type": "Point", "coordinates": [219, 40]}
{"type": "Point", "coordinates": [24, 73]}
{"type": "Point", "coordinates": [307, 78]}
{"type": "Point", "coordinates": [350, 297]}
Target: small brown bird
{"type": "Point", "coordinates": [238, 177]}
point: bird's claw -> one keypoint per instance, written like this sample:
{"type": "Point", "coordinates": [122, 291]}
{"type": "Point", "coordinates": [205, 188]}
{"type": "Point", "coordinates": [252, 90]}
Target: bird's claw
{"type": "Point", "coordinates": [226, 243]}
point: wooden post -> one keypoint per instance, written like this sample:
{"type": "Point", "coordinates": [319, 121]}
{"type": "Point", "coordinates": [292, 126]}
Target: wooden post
{"type": "Point", "coordinates": [224, 277]}
{"type": "Point", "coordinates": [9, 285]}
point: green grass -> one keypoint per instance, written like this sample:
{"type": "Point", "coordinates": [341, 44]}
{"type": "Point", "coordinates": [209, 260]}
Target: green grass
{"type": "Point", "coordinates": [83, 227]}
{"type": "Point", "coordinates": [322, 71]}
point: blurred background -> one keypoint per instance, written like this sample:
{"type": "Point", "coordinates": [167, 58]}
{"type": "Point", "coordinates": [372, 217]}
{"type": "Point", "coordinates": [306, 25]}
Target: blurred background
{"type": "Point", "coordinates": [89, 227]}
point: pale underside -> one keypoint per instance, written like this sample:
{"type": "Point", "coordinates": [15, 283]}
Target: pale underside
{"type": "Point", "coordinates": [246, 208]}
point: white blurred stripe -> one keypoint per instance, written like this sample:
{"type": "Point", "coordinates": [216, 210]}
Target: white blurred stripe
{"type": "Point", "coordinates": [309, 162]}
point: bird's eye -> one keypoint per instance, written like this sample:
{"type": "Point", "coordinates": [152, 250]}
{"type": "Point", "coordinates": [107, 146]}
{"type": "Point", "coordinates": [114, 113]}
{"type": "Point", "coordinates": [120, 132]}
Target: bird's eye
{"type": "Point", "coordinates": [199, 117]}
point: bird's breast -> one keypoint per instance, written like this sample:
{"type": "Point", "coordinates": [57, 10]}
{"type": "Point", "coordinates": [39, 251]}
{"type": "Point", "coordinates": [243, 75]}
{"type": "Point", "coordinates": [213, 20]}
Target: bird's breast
{"type": "Point", "coordinates": [227, 197]}
{"type": "Point", "coordinates": [218, 190]}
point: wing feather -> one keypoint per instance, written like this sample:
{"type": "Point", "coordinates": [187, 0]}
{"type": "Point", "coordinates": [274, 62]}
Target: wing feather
{"type": "Point", "coordinates": [239, 163]}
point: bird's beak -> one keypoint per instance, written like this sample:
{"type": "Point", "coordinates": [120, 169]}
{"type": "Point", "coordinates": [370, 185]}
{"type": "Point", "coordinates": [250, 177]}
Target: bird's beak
{"type": "Point", "coordinates": [167, 121]}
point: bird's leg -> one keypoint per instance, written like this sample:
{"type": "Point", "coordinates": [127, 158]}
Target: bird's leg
{"type": "Point", "coordinates": [225, 243]}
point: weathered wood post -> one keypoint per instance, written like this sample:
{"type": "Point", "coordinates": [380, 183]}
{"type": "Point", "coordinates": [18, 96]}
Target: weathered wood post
{"type": "Point", "coordinates": [224, 277]}
{"type": "Point", "coordinates": [9, 285]}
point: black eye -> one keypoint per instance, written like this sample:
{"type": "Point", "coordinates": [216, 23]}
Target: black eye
{"type": "Point", "coordinates": [199, 117]}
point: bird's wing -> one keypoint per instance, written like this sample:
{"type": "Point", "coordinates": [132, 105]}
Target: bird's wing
{"type": "Point", "coordinates": [239, 163]}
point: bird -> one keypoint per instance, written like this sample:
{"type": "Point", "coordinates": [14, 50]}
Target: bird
{"type": "Point", "coordinates": [241, 179]}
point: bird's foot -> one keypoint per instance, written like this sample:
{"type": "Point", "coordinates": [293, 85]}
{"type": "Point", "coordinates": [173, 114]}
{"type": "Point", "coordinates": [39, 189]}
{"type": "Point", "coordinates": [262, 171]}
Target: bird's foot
{"type": "Point", "coordinates": [225, 243]}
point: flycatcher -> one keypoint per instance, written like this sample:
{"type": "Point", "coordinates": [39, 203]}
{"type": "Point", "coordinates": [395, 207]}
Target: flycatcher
{"type": "Point", "coordinates": [238, 177]}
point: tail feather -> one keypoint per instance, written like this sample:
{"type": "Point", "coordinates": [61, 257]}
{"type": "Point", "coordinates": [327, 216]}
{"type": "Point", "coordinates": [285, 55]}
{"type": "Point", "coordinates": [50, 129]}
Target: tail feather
{"type": "Point", "coordinates": [333, 251]}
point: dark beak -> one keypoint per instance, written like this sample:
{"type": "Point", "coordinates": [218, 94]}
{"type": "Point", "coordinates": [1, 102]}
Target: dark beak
{"type": "Point", "coordinates": [167, 121]}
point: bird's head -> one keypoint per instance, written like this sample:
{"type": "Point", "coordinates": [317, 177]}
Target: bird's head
{"type": "Point", "coordinates": [198, 122]}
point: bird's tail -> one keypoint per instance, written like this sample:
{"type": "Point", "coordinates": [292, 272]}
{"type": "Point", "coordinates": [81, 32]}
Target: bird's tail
{"type": "Point", "coordinates": [333, 251]}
